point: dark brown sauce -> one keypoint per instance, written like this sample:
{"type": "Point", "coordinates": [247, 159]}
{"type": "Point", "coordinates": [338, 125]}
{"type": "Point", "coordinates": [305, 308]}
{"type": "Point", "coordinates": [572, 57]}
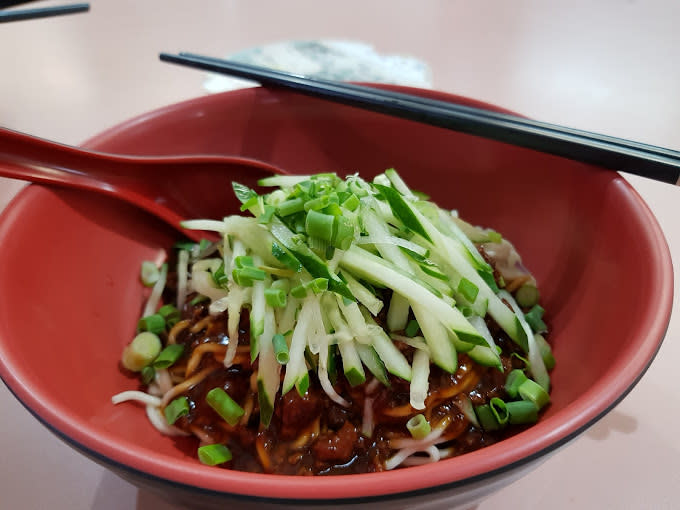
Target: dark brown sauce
{"type": "Point", "coordinates": [311, 434]}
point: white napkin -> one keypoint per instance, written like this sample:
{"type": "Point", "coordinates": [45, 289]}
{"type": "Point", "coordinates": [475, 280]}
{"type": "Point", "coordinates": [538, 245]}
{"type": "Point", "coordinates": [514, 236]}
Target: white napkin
{"type": "Point", "coordinates": [328, 59]}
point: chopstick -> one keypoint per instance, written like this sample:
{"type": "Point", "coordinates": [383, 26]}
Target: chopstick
{"type": "Point", "coordinates": [610, 152]}
{"type": "Point", "coordinates": [39, 12]}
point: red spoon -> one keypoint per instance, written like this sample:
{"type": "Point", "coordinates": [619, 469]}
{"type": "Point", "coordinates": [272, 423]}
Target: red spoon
{"type": "Point", "coordinates": [172, 188]}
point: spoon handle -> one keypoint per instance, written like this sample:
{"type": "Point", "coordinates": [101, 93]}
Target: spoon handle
{"type": "Point", "coordinates": [33, 159]}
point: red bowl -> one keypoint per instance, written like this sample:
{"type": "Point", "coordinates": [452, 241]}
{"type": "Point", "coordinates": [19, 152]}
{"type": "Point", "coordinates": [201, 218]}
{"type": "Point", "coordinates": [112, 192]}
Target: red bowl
{"type": "Point", "coordinates": [70, 296]}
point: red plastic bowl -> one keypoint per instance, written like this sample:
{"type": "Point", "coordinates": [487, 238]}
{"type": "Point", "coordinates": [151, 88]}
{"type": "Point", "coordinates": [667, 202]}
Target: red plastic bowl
{"type": "Point", "coordinates": [70, 296]}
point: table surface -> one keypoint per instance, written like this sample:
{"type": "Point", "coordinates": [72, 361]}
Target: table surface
{"type": "Point", "coordinates": [605, 66]}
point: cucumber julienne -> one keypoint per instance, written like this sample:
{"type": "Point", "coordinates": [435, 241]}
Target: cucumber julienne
{"type": "Point", "coordinates": [332, 249]}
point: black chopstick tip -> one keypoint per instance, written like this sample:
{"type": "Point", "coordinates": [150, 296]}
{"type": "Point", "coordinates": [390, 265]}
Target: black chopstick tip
{"type": "Point", "coordinates": [42, 12]}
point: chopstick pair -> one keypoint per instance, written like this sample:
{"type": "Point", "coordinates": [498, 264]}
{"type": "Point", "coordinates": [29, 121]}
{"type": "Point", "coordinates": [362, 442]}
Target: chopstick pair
{"type": "Point", "coordinates": [39, 12]}
{"type": "Point", "coordinates": [610, 152]}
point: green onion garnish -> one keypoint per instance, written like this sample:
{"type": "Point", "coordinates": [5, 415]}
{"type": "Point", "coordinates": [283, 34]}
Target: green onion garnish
{"type": "Point", "coordinates": [219, 276]}
{"type": "Point", "coordinates": [486, 417]}
{"type": "Point", "coordinates": [468, 289]}
{"type": "Point", "coordinates": [499, 410]}
{"type": "Point", "coordinates": [267, 215]}
{"type": "Point", "coordinates": [176, 409]}
{"type": "Point", "coordinates": [149, 273]}
{"type": "Point", "coordinates": [522, 412]}
{"type": "Point", "coordinates": [280, 348]}
{"type": "Point", "coordinates": [527, 295]}
{"type": "Point", "coordinates": [169, 356]}
{"type": "Point", "coordinates": [514, 381]}
{"type": "Point", "coordinates": [299, 291]}
{"type": "Point", "coordinates": [351, 202]}
{"type": "Point", "coordinates": [291, 206]}
{"type": "Point", "coordinates": [412, 328]}
{"type": "Point", "coordinates": [320, 225]}
{"type": "Point", "coordinates": [168, 311]}
{"type": "Point", "coordinates": [214, 454]}
{"type": "Point", "coordinates": [534, 318]}
{"type": "Point", "coordinates": [534, 392]}
{"type": "Point", "coordinates": [153, 323]}
{"type": "Point", "coordinates": [276, 298]}
{"type": "Point", "coordinates": [494, 237]}
{"type": "Point", "coordinates": [148, 374]}
{"type": "Point", "coordinates": [224, 405]}
{"type": "Point", "coordinates": [143, 350]}
{"type": "Point", "coordinates": [418, 426]}
{"type": "Point", "coordinates": [246, 275]}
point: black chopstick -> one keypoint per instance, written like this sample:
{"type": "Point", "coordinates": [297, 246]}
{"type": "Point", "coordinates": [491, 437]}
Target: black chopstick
{"type": "Point", "coordinates": [606, 151]}
{"type": "Point", "coordinates": [41, 12]}
{"type": "Point", "coordinates": [4, 4]}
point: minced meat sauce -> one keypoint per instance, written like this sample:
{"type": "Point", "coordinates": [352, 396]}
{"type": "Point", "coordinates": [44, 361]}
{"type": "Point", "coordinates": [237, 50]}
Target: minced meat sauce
{"type": "Point", "coordinates": [311, 434]}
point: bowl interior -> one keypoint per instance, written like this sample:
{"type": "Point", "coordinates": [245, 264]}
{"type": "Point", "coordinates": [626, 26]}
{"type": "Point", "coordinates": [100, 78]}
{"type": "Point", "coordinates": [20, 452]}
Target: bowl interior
{"type": "Point", "coordinates": [70, 294]}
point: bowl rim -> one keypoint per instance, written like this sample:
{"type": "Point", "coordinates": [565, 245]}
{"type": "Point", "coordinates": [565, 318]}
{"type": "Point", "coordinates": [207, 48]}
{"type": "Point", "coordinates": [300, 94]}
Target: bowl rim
{"type": "Point", "coordinates": [546, 436]}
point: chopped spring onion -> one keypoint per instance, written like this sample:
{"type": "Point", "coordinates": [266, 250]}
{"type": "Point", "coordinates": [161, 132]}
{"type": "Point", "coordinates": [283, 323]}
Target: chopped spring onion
{"type": "Point", "coordinates": [320, 225]}
{"type": "Point", "coordinates": [499, 410]}
{"type": "Point", "coordinates": [468, 289]}
{"type": "Point", "coordinates": [534, 392]}
{"type": "Point", "coordinates": [276, 298]}
{"type": "Point", "coordinates": [169, 356]}
{"type": "Point", "coordinates": [514, 381]}
{"type": "Point", "coordinates": [214, 454]}
{"type": "Point", "coordinates": [412, 328]}
{"type": "Point", "coordinates": [527, 295]}
{"type": "Point", "coordinates": [418, 426]}
{"type": "Point", "coordinates": [168, 312]}
{"type": "Point", "coordinates": [521, 412]}
{"type": "Point", "coordinates": [143, 350]}
{"type": "Point", "coordinates": [280, 348]}
{"type": "Point", "coordinates": [224, 405]}
{"type": "Point", "coordinates": [153, 323]}
{"type": "Point", "coordinates": [149, 273]}
{"type": "Point", "coordinates": [534, 318]}
{"type": "Point", "coordinates": [148, 374]}
{"type": "Point", "coordinates": [176, 409]}
{"type": "Point", "coordinates": [291, 206]}
{"type": "Point", "coordinates": [486, 418]}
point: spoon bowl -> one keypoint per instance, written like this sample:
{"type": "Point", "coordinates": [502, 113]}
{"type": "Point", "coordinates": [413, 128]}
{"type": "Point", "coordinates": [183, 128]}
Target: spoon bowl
{"type": "Point", "coordinates": [172, 188]}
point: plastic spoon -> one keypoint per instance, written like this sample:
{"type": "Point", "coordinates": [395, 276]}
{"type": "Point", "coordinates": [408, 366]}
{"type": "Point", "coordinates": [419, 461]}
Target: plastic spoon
{"type": "Point", "coordinates": [172, 188]}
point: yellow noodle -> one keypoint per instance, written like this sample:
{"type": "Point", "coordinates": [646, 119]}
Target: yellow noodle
{"type": "Point", "coordinates": [189, 383]}
{"type": "Point", "coordinates": [240, 358]}
{"type": "Point", "coordinates": [248, 410]}
{"type": "Point", "coordinates": [176, 329]}
{"type": "Point", "coordinates": [308, 435]}
{"type": "Point", "coordinates": [262, 454]}
{"type": "Point", "coordinates": [198, 352]}
{"type": "Point", "coordinates": [404, 410]}
{"type": "Point", "coordinates": [202, 324]}
{"type": "Point", "coordinates": [202, 435]}
{"type": "Point", "coordinates": [467, 382]}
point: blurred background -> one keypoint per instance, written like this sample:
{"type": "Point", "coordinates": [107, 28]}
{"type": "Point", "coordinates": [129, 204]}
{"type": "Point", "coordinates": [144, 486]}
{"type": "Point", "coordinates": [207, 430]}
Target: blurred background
{"type": "Point", "coordinates": [609, 66]}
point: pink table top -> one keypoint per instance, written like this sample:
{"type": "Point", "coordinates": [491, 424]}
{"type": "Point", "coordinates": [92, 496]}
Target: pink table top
{"type": "Point", "coordinates": [608, 66]}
